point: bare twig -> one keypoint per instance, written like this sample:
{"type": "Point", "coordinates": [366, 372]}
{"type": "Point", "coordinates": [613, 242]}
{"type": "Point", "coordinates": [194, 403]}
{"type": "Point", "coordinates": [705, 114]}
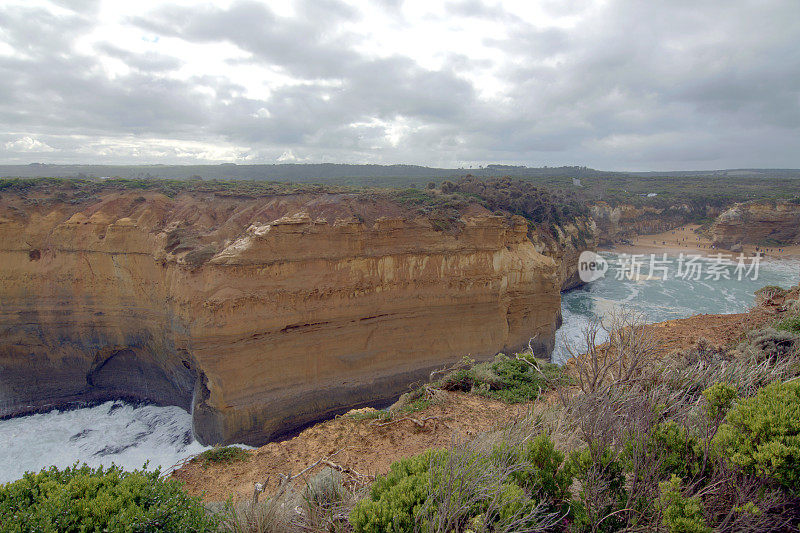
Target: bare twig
{"type": "Point", "coordinates": [419, 422]}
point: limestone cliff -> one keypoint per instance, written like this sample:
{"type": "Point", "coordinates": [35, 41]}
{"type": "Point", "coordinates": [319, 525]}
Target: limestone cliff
{"type": "Point", "coordinates": [259, 314]}
{"type": "Point", "coordinates": [763, 223]}
{"type": "Point", "coordinates": [571, 239]}
{"type": "Point", "coordinates": [622, 222]}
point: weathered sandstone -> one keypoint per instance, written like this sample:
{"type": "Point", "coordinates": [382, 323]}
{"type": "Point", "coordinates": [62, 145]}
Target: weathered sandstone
{"type": "Point", "coordinates": [261, 315]}
{"type": "Point", "coordinates": [573, 238]}
{"type": "Point", "coordinates": [764, 223]}
{"type": "Point", "coordinates": [623, 222]}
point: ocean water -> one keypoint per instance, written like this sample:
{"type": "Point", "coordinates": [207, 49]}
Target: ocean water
{"type": "Point", "coordinates": [113, 432]}
{"type": "Point", "coordinates": [666, 294]}
{"type": "Point", "coordinates": [129, 435]}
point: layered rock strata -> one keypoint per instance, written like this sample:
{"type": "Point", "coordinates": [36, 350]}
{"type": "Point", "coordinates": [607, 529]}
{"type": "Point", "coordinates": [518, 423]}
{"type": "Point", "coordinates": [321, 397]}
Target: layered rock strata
{"type": "Point", "coordinates": [624, 222]}
{"type": "Point", "coordinates": [572, 238]}
{"type": "Point", "coordinates": [764, 223]}
{"type": "Point", "coordinates": [260, 315]}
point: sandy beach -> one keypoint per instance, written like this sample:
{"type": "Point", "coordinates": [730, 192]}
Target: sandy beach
{"type": "Point", "coordinates": [685, 240]}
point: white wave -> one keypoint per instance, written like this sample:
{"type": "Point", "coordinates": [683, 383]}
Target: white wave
{"type": "Point", "coordinates": [113, 432]}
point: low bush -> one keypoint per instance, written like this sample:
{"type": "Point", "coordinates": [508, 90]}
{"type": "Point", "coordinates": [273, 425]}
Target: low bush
{"type": "Point", "coordinates": [513, 488]}
{"type": "Point", "coordinates": [675, 451]}
{"type": "Point", "coordinates": [326, 502]}
{"type": "Point", "coordinates": [719, 399]}
{"type": "Point", "coordinates": [681, 514]}
{"type": "Point", "coordinates": [80, 498]}
{"type": "Point", "coordinates": [790, 324]}
{"type": "Point", "coordinates": [770, 344]}
{"type": "Point", "coordinates": [512, 380]}
{"type": "Point", "coordinates": [770, 291]}
{"type": "Point", "coordinates": [397, 498]}
{"type": "Point", "coordinates": [542, 474]}
{"type": "Point", "coordinates": [222, 454]}
{"type": "Point", "coordinates": [600, 502]}
{"type": "Point", "coordinates": [368, 413]}
{"type": "Point", "coordinates": [761, 435]}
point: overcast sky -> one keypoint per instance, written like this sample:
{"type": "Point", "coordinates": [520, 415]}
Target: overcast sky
{"type": "Point", "coordinates": [611, 84]}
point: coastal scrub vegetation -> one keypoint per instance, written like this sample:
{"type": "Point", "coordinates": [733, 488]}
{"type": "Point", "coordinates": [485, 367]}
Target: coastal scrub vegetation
{"type": "Point", "coordinates": [222, 454]}
{"type": "Point", "coordinates": [524, 198]}
{"type": "Point", "coordinates": [80, 498]}
{"type": "Point", "coordinates": [510, 379]}
{"type": "Point", "coordinates": [705, 440]}
{"type": "Point", "coordinates": [549, 200]}
{"type": "Point", "coordinates": [76, 188]}
{"type": "Point", "coordinates": [619, 439]}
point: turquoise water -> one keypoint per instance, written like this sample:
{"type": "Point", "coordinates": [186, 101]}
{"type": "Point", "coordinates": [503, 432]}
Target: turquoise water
{"type": "Point", "coordinates": [661, 299]}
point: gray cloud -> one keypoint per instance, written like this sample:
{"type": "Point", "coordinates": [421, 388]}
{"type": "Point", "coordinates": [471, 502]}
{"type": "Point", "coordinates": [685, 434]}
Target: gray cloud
{"type": "Point", "coordinates": [630, 85]}
{"type": "Point", "coordinates": [476, 8]}
{"type": "Point", "coordinates": [147, 62]}
{"type": "Point", "coordinates": [306, 46]}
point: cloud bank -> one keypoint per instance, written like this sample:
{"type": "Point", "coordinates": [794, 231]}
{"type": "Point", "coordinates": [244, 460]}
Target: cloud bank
{"type": "Point", "coordinates": [611, 84]}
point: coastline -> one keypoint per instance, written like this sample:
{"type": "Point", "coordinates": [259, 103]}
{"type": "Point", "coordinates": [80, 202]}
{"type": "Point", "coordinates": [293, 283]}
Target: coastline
{"type": "Point", "coordinates": [685, 240]}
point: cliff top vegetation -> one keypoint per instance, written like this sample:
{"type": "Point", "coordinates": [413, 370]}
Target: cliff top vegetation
{"type": "Point", "coordinates": [715, 188]}
{"type": "Point", "coordinates": [706, 439]}
{"type": "Point", "coordinates": [445, 202]}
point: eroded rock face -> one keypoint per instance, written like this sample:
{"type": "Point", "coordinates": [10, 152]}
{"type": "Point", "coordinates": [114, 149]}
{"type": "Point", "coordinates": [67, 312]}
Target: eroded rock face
{"type": "Point", "coordinates": [765, 223]}
{"type": "Point", "coordinates": [260, 315]}
{"type": "Point", "coordinates": [573, 238]}
{"type": "Point", "coordinates": [622, 222]}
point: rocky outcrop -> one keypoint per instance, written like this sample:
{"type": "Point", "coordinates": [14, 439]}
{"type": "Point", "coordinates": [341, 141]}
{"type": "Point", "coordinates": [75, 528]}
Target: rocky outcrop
{"type": "Point", "coordinates": [763, 223]}
{"type": "Point", "coordinates": [571, 239]}
{"type": "Point", "coordinates": [260, 315]}
{"type": "Point", "coordinates": [623, 222]}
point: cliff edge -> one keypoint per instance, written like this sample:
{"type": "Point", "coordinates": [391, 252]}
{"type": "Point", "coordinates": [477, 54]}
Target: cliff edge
{"type": "Point", "coordinates": [764, 223]}
{"type": "Point", "coordinates": [260, 315]}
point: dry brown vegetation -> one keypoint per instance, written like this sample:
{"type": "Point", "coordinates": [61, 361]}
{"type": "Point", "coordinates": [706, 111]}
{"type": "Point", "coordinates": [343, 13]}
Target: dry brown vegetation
{"type": "Point", "coordinates": [637, 412]}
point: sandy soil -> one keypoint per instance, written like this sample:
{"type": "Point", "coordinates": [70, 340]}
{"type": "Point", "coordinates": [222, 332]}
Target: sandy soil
{"type": "Point", "coordinates": [363, 445]}
{"type": "Point", "coordinates": [719, 330]}
{"type": "Point", "coordinates": [369, 448]}
{"type": "Point", "coordinates": [686, 240]}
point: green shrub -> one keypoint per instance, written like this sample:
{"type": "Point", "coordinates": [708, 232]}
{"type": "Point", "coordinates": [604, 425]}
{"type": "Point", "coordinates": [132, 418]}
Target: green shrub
{"type": "Point", "coordinates": [791, 324]}
{"type": "Point", "coordinates": [397, 498]}
{"type": "Point", "coordinates": [770, 290]}
{"type": "Point", "coordinates": [470, 488]}
{"type": "Point", "coordinates": [679, 452]}
{"type": "Point", "coordinates": [542, 474]}
{"type": "Point", "coordinates": [222, 454]}
{"type": "Point", "coordinates": [719, 399]}
{"type": "Point", "coordinates": [519, 486]}
{"type": "Point", "coordinates": [369, 414]}
{"type": "Point", "coordinates": [80, 498]}
{"type": "Point", "coordinates": [602, 495]}
{"type": "Point", "coordinates": [762, 434]}
{"type": "Point", "coordinates": [680, 514]}
{"type": "Point", "coordinates": [511, 380]}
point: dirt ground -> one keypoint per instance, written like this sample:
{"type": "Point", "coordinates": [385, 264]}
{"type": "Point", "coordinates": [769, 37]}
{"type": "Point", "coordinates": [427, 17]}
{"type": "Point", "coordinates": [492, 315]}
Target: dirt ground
{"type": "Point", "coordinates": [366, 446]}
{"type": "Point", "coordinates": [719, 330]}
{"type": "Point", "coordinates": [369, 448]}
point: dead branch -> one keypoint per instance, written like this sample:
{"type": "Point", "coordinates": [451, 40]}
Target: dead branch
{"type": "Point", "coordinates": [419, 422]}
{"type": "Point", "coordinates": [357, 476]}
{"type": "Point", "coordinates": [286, 479]}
